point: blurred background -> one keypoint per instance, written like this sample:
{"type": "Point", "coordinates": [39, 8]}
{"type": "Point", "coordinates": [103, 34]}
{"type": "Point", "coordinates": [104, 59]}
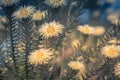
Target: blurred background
{"type": "Point", "coordinates": [98, 11]}
{"type": "Point", "coordinates": [95, 11]}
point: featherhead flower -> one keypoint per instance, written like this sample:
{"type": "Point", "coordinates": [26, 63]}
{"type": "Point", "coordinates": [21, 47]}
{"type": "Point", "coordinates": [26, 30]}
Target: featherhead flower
{"type": "Point", "coordinates": [55, 3]}
{"type": "Point", "coordinates": [75, 44]}
{"type": "Point", "coordinates": [86, 29]}
{"type": "Point", "coordinates": [117, 69]}
{"type": "Point", "coordinates": [8, 2]}
{"type": "Point", "coordinates": [24, 12]}
{"type": "Point", "coordinates": [52, 29]}
{"type": "Point", "coordinates": [38, 15]}
{"type": "Point", "coordinates": [114, 41]}
{"type": "Point", "coordinates": [111, 51]}
{"type": "Point", "coordinates": [41, 56]}
{"type": "Point", "coordinates": [76, 65]}
{"type": "Point", "coordinates": [113, 18]}
{"type": "Point", "coordinates": [98, 31]}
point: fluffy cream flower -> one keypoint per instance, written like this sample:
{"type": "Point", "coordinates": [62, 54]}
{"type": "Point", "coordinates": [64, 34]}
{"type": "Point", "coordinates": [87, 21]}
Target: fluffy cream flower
{"type": "Point", "coordinates": [55, 3]}
{"type": "Point", "coordinates": [98, 31]}
{"type": "Point", "coordinates": [111, 51]}
{"type": "Point", "coordinates": [113, 18]}
{"type": "Point", "coordinates": [41, 56]}
{"type": "Point", "coordinates": [86, 29]}
{"type": "Point", "coordinates": [24, 12]}
{"type": "Point", "coordinates": [8, 2]}
{"type": "Point", "coordinates": [75, 44]}
{"type": "Point", "coordinates": [117, 69]}
{"type": "Point", "coordinates": [38, 15]}
{"type": "Point", "coordinates": [76, 65]}
{"type": "Point", "coordinates": [114, 41]}
{"type": "Point", "coordinates": [52, 29]}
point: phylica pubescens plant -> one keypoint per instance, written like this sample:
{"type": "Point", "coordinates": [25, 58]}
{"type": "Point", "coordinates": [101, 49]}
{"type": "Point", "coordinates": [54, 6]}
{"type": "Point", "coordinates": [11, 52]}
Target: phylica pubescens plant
{"type": "Point", "coordinates": [44, 40]}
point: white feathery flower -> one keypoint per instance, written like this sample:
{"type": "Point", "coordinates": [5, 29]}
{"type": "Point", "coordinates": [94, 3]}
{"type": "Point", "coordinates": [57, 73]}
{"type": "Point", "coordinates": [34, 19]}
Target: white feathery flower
{"type": "Point", "coordinates": [76, 65]}
{"type": "Point", "coordinates": [114, 18]}
{"type": "Point", "coordinates": [55, 3]}
{"type": "Point", "coordinates": [86, 29]}
{"type": "Point", "coordinates": [111, 51]}
{"type": "Point", "coordinates": [98, 31]}
{"type": "Point", "coordinates": [38, 15]}
{"type": "Point", "coordinates": [75, 44]}
{"type": "Point", "coordinates": [41, 56]}
{"type": "Point", "coordinates": [80, 66]}
{"type": "Point", "coordinates": [51, 29]}
{"type": "Point", "coordinates": [117, 70]}
{"type": "Point", "coordinates": [24, 12]}
{"type": "Point", "coordinates": [114, 41]}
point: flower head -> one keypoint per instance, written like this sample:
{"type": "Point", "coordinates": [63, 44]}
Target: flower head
{"type": "Point", "coordinates": [86, 29]}
{"type": "Point", "coordinates": [111, 51]}
{"type": "Point", "coordinates": [76, 65]}
{"type": "Point", "coordinates": [98, 31]}
{"type": "Point", "coordinates": [114, 41]}
{"type": "Point", "coordinates": [8, 2]}
{"type": "Point", "coordinates": [52, 29]}
{"type": "Point", "coordinates": [24, 12]}
{"type": "Point", "coordinates": [55, 3]}
{"type": "Point", "coordinates": [38, 15]}
{"type": "Point", "coordinates": [113, 18]}
{"type": "Point", "coordinates": [41, 56]}
{"type": "Point", "coordinates": [75, 44]}
{"type": "Point", "coordinates": [117, 69]}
